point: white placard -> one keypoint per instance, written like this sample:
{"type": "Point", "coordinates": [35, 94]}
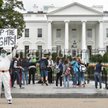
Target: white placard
{"type": "Point", "coordinates": [8, 37]}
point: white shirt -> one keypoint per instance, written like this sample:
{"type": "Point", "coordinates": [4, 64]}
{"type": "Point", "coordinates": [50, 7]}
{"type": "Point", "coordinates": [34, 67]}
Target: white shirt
{"type": "Point", "coordinates": [50, 63]}
{"type": "Point", "coordinates": [5, 61]}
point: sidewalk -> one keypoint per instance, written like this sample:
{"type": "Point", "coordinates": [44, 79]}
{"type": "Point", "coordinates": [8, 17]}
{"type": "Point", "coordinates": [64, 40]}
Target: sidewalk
{"type": "Point", "coordinates": [55, 103]}
{"type": "Point", "coordinates": [51, 91]}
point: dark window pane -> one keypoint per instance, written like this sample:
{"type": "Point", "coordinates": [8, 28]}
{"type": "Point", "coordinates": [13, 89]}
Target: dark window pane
{"type": "Point", "coordinates": [26, 32]}
{"type": "Point", "coordinates": [89, 33]}
{"type": "Point", "coordinates": [26, 50]}
{"type": "Point", "coordinates": [39, 32]}
{"type": "Point", "coordinates": [74, 33]}
{"type": "Point", "coordinates": [58, 33]}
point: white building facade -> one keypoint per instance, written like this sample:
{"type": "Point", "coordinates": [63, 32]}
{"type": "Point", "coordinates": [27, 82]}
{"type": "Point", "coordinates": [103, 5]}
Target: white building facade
{"type": "Point", "coordinates": [72, 29]}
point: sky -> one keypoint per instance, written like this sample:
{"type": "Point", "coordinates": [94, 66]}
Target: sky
{"type": "Point", "coordinates": [28, 4]}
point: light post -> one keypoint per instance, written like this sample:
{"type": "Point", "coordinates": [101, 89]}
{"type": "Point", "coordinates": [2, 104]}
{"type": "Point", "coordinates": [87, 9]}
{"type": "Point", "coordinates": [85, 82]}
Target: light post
{"type": "Point", "coordinates": [74, 46]}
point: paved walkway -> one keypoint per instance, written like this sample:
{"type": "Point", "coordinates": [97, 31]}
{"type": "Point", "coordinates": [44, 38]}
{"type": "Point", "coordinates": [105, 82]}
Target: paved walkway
{"type": "Point", "coordinates": [55, 103]}
{"type": "Point", "coordinates": [51, 91]}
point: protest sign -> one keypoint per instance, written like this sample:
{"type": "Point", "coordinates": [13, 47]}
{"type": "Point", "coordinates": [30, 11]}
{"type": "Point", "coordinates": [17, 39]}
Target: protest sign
{"type": "Point", "coordinates": [8, 37]}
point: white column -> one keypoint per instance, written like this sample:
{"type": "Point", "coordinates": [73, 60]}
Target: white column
{"type": "Point", "coordinates": [66, 36]}
{"type": "Point", "coordinates": [101, 43]}
{"type": "Point", "coordinates": [49, 35]}
{"type": "Point", "coordinates": [84, 46]}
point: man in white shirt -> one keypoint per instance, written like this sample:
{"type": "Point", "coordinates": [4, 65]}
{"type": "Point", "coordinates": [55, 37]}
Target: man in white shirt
{"type": "Point", "coordinates": [5, 61]}
{"type": "Point", "coordinates": [50, 66]}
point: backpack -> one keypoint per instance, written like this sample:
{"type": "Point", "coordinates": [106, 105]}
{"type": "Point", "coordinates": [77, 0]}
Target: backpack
{"type": "Point", "coordinates": [33, 60]}
{"type": "Point", "coordinates": [43, 64]}
{"type": "Point", "coordinates": [57, 69]}
{"type": "Point", "coordinates": [82, 68]}
{"type": "Point", "coordinates": [67, 72]}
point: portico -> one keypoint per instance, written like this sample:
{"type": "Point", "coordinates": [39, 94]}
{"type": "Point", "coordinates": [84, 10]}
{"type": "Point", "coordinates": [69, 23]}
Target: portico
{"type": "Point", "coordinates": [74, 26]}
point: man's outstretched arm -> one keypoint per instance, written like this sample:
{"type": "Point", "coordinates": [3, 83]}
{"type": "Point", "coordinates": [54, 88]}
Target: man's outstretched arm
{"type": "Point", "coordinates": [13, 53]}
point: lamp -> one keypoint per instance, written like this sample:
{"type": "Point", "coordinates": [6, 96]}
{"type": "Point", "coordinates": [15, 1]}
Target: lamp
{"type": "Point", "coordinates": [74, 45]}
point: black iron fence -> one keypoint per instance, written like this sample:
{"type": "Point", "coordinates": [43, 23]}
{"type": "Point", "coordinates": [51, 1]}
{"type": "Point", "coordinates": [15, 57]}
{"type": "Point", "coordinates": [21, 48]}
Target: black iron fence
{"type": "Point", "coordinates": [89, 75]}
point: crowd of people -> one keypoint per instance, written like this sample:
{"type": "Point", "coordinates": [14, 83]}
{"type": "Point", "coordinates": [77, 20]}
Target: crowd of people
{"type": "Point", "coordinates": [23, 71]}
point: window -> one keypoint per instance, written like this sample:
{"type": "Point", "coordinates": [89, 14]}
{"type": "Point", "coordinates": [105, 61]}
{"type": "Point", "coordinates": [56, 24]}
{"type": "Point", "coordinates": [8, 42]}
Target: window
{"type": "Point", "coordinates": [39, 32]}
{"type": "Point", "coordinates": [74, 53]}
{"type": "Point", "coordinates": [58, 50]}
{"type": "Point", "coordinates": [39, 47]}
{"type": "Point", "coordinates": [74, 33]}
{"type": "Point", "coordinates": [26, 50]}
{"type": "Point", "coordinates": [89, 33]}
{"type": "Point", "coordinates": [40, 50]}
{"type": "Point", "coordinates": [59, 47]}
{"type": "Point", "coordinates": [58, 33]}
{"type": "Point", "coordinates": [89, 47]}
{"type": "Point", "coordinates": [107, 32]}
{"type": "Point", "coordinates": [26, 32]}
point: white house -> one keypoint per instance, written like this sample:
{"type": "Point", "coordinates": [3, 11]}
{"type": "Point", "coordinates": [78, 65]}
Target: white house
{"type": "Point", "coordinates": [72, 28]}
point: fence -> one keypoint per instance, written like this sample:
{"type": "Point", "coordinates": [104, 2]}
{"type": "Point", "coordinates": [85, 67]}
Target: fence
{"type": "Point", "coordinates": [89, 75]}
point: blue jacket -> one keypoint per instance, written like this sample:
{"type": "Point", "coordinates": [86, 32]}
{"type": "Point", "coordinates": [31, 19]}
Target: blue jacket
{"type": "Point", "coordinates": [75, 66]}
{"type": "Point", "coordinates": [61, 67]}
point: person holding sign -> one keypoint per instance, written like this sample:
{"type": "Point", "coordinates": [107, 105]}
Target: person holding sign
{"type": "Point", "coordinates": [5, 61]}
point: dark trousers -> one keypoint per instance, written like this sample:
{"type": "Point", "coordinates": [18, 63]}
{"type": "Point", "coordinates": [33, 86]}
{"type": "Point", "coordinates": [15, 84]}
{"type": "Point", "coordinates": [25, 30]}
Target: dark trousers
{"type": "Point", "coordinates": [16, 76]}
{"type": "Point", "coordinates": [58, 76]}
{"type": "Point", "coordinates": [97, 77]}
{"type": "Point", "coordinates": [49, 75]}
{"type": "Point", "coordinates": [32, 75]}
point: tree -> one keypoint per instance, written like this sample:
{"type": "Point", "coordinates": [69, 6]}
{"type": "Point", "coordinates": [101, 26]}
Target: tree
{"type": "Point", "coordinates": [1, 2]}
{"type": "Point", "coordinates": [10, 16]}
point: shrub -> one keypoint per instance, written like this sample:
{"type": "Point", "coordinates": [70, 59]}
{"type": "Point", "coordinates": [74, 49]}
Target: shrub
{"type": "Point", "coordinates": [54, 55]}
{"type": "Point", "coordinates": [105, 57]}
{"type": "Point", "coordinates": [96, 58]}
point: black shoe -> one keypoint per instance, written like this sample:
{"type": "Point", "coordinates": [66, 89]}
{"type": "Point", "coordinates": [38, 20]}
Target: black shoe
{"type": "Point", "coordinates": [96, 87]}
{"type": "Point", "coordinates": [46, 84]}
{"type": "Point", "coordinates": [9, 101]}
{"type": "Point", "coordinates": [21, 87]}
{"type": "Point", "coordinates": [100, 87]}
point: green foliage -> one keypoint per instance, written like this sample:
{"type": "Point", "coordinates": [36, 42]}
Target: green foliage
{"type": "Point", "coordinates": [105, 57]}
{"type": "Point", "coordinates": [96, 58]}
{"type": "Point", "coordinates": [1, 2]}
{"type": "Point", "coordinates": [54, 55]}
{"type": "Point", "coordinates": [60, 54]}
{"type": "Point", "coordinates": [106, 70]}
{"type": "Point", "coordinates": [11, 17]}
{"type": "Point", "coordinates": [37, 54]}
{"type": "Point", "coordinates": [21, 54]}
{"type": "Point", "coordinates": [69, 57]}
